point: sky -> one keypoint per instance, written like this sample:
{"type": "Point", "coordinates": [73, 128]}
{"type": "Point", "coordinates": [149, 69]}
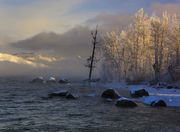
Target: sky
{"type": "Point", "coordinates": [33, 32]}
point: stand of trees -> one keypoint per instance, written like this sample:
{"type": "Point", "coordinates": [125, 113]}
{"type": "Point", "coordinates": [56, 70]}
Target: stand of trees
{"type": "Point", "coordinates": [145, 49]}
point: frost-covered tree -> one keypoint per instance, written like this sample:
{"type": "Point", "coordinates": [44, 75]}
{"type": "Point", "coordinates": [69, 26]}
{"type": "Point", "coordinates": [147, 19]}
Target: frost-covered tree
{"type": "Point", "coordinates": [175, 39]}
{"type": "Point", "coordinates": [145, 49]}
{"type": "Point", "coordinates": [159, 28]}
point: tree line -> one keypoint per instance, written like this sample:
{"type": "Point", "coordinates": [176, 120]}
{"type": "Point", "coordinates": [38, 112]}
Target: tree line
{"type": "Point", "coordinates": [145, 50]}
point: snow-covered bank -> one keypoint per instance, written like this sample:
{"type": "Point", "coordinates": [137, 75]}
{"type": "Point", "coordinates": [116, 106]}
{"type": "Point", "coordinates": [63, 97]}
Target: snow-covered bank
{"type": "Point", "coordinates": [170, 96]}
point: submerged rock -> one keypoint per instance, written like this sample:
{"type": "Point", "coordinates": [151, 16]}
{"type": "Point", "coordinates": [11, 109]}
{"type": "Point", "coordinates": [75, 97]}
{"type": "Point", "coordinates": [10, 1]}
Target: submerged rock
{"type": "Point", "coordinates": [110, 94]}
{"type": "Point", "coordinates": [63, 94]}
{"type": "Point", "coordinates": [38, 80]}
{"type": "Point", "coordinates": [159, 103]}
{"type": "Point", "coordinates": [126, 103]}
{"type": "Point", "coordinates": [71, 96]}
{"type": "Point", "coordinates": [139, 93]}
{"type": "Point", "coordinates": [58, 94]}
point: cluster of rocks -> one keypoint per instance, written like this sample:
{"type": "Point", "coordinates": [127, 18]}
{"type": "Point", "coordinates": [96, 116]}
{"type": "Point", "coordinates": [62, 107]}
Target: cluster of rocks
{"type": "Point", "coordinates": [111, 94]}
{"type": "Point", "coordinates": [49, 81]}
{"type": "Point", "coordinates": [155, 102]}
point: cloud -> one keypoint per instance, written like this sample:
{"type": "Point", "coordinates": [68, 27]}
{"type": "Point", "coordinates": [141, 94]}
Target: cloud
{"type": "Point", "coordinates": [39, 58]}
{"type": "Point", "coordinates": [57, 42]}
{"type": "Point", "coordinates": [171, 8]}
{"type": "Point", "coordinates": [18, 60]}
{"type": "Point", "coordinates": [109, 22]}
{"type": "Point", "coordinates": [76, 41]}
{"type": "Point", "coordinates": [59, 51]}
{"type": "Point", "coordinates": [23, 19]}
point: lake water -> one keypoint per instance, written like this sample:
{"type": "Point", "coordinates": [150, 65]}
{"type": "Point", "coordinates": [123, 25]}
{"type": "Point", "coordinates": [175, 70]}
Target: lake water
{"type": "Point", "coordinates": [23, 108]}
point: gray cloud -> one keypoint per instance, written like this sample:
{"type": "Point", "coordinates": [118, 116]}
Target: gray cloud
{"type": "Point", "coordinates": [76, 41]}
{"type": "Point", "coordinates": [65, 48]}
{"type": "Point", "coordinates": [109, 22]}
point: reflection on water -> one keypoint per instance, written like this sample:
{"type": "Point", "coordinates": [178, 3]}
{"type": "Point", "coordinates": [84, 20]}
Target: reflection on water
{"type": "Point", "coordinates": [23, 108]}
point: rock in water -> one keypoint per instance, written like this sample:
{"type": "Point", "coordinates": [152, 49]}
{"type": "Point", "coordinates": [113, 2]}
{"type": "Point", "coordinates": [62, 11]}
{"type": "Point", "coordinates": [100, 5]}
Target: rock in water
{"type": "Point", "coordinates": [51, 80]}
{"type": "Point", "coordinates": [38, 80]}
{"type": "Point", "coordinates": [126, 103]}
{"type": "Point", "coordinates": [71, 96]}
{"type": "Point", "coordinates": [63, 81]}
{"type": "Point", "coordinates": [159, 103]}
{"type": "Point", "coordinates": [58, 94]}
{"type": "Point", "coordinates": [110, 94]}
{"type": "Point", "coordinates": [139, 93]}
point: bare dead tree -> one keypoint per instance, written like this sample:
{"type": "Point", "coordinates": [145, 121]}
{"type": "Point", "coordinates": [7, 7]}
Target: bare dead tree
{"type": "Point", "coordinates": [91, 60]}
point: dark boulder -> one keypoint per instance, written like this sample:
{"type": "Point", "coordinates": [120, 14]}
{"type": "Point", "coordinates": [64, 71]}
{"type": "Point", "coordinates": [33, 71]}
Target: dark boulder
{"type": "Point", "coordinates": [170, 87]}
{"type": "Point", "coordinates": [139, 93]}
{"type": "Point", "coordinates": [159, 103]}
{"type": "Point", "coordinates": [58, 94]}
{"type": "Point", "coordinates": [110, 94]}
{"type": "Point", "coordinates": [126, 103]}
{"type": "Point", "coordinates": [71, 96]}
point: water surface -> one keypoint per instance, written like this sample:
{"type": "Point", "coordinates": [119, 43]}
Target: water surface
{"type": "Point", "coordinates": [23, 108]}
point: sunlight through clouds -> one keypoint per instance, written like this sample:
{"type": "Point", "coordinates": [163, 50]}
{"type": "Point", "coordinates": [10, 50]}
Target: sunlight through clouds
{"type": "Point", "coordinates": [18, 60]}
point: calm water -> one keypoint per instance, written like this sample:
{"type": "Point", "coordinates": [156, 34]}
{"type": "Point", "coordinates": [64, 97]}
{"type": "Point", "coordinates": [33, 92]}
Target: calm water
{"type": "Point", "coordinates": [24, 109]}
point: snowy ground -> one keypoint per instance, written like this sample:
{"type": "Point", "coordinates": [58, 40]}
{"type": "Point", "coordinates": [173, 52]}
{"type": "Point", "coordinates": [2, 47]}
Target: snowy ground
{"type": "Point", "coordinates": [170, 96]}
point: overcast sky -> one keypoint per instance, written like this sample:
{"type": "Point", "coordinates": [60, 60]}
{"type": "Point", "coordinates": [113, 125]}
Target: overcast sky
{"type": "Point", "coordinates": [63, 29]}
